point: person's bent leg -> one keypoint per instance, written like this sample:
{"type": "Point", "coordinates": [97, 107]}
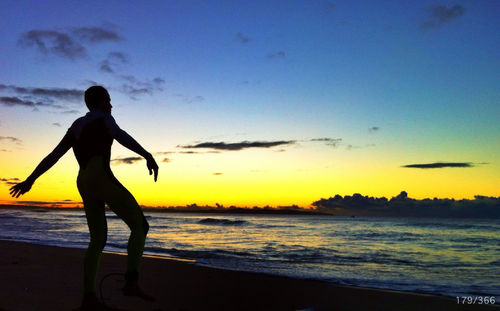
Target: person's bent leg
{"type": "Point", "coordinates": [130, 212]}
{"type": "Point", "coordinates": [96, 220]}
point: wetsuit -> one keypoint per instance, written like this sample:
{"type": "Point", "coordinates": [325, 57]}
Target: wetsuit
{"type": "Point", "coordinates": [91, 138]}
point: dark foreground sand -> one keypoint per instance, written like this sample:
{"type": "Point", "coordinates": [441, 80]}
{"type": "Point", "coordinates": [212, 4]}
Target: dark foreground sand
{"type": "Point", "coordinates": [34, 277]}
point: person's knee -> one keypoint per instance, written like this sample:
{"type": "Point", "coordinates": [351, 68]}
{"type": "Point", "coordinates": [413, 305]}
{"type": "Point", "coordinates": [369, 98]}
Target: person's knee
{"type": "Point", "coordinates": [141, 226]}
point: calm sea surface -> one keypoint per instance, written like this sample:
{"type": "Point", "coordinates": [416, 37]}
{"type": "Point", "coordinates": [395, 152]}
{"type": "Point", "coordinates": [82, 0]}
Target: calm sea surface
{"type": "Point", "coordinates": [439, 256]}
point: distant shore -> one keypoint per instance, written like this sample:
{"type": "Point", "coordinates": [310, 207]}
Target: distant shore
{"type": "Point", "coordinates": [238, 210]}
{"type": "Point", "coordinates": [36, 277]}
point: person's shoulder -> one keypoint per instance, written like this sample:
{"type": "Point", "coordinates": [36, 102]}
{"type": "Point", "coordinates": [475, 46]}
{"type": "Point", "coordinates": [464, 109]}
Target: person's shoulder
{"type": "Point", "coordinates": [77, 121]}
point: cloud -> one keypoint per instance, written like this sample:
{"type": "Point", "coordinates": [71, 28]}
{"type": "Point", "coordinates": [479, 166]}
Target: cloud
{"type": "Point", "coordinates": [166, 160]}
{"type": "Point", "coordinates": [113, 59]}
{"type": "Point", "coordinates": [438, 15]}
{"type": "Point", "coordinates": [373, 129]}
{"type": "Point", "coordinates": [52, 42]}
{"type": "Point", "coordinates": [68, 45]}
{"type": "Point", "coordinates": [128, 160]}
{"type": "Point", "coordinates": [217, 174]}
{"type": "Point", "coordinates": [12, 139]}
{"type": "Point", "coordinates": [329, 7]}
{"type": "Point", "coordinates": [158, 80]}
{"type": "Point", "coordinates": [40, 96]}
{"type": "Point", "coordinates": [71, 111]}
{"type": "Point", "coordinates": [105, 66]}
{"type": "Point", "coordinates": [190, 99]}
{"type": "Point", "coordinates": [404, 206]}
{"type": "Point", "coordinates": [16, 101]}
{"type": "Point", "coordinates": [333, 142]}
{"type": "Point", "coordinates": [439, 165]}
{"type": "Point", "coordinates": [134, 87]}
{"type": "Point", "coordinates": [240, 145]}
{"type": "Point", "coordinates": [56, 124]}
{"type": "Point", "coordinates": [350, 147]}
{"type": "Point", "coordinates": [10, 181]}
{"type": "Point", "coordinates": [96, 34]}
{"type": "Point", "coordinates": [241, 38]}
{"type": "Point", "coordinates": [276, 55]}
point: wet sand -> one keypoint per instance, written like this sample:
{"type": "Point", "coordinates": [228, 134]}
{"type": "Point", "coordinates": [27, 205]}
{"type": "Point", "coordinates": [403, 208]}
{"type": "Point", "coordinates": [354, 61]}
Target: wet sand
{"type": "Point", "coordinates": [35, 277]}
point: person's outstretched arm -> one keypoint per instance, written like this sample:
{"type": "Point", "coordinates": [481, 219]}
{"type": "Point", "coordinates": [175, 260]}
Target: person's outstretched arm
{"type": "Point", "coordinates": [129, 142]}
{"type": "Point", "coordinates": [45, 165]}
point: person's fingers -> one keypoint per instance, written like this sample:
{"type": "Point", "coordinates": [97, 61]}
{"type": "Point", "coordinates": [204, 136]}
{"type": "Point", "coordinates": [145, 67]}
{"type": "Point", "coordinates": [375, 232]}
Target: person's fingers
{"type": "Point", "coordinates": [156, 174]}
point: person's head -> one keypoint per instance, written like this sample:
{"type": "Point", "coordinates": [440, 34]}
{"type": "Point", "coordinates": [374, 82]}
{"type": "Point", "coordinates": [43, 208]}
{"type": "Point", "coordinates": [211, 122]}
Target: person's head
{"type": "Point", "coordinates": [97, 97]}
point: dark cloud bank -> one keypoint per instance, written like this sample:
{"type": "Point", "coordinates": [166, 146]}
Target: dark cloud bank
{"type": "Point", "coordinates": [240, 145]}
{"type": "Point", "coordinates": [439, 165]}
{"type": "Point", "coordinates": [403, 206]}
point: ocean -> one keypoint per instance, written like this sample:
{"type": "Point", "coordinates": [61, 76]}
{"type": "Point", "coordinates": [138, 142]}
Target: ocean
{"type": "Point", "coordinates": [451, 257]}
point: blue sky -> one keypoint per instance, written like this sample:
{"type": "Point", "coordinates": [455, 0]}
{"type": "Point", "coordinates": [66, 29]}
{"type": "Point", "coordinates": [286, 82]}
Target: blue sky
{"type": "Point", "coordinates": [398, 82]}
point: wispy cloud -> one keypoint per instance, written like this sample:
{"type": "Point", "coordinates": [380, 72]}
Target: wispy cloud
{"type": "Point", "coordinates": [439, 15]}
{"type": "Point", "coordinates": [66, 44]}
{"type": "Point", "coordinates": [242, 38]}
{"type": "Point", "coordinates": [52, 42]}
{"type": "Point", "coordinates": [45, 95]}
{"type": "Point", "coordinates": [440, 165]}
{"type": "Point", "coordinates": [329, 7]}
{"type": "Point", "coordinates": [373, 129]}
{"type": "Point", "coordinates": [56, 124]}
{"type": "Point", "coordinates": [73, 111]}
{"type": "Point", "coordinates": [190, 99]}
{"type": "Point", "coordinates": [239, 146]}
{"type": "Point", "coordinates": [350, 147]}
{"type": "Point", "coordinates": [276, 55]}
{"type": "Point", "coordinates": [166, 160]}
{"type": "Point", "coordinates": [128, 160]}
{"type": "Point", "coordinates": [112, 60]}
{"type": "Point", "coordinates": [9, 181]}
{"type": "Point", "coordinates": [332, 142]}
{"type": "Point", "coordinates": [96, 34]}
{"type": "Point", "coordinates": [217, 174]}
{"type": "Point", "coordinates": [12, 101]}
{"type": "Point", "coordinates": [11, 139]}
{"type": "Point", "coordinates": [135, 87]}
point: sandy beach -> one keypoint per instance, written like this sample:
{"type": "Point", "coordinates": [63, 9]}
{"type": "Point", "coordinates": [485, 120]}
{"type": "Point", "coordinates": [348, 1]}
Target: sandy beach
{"type": "Point", "coordinates": [35, 277]}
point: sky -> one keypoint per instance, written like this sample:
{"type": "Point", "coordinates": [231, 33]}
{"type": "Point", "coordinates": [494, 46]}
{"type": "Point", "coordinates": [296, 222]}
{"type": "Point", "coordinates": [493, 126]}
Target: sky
{"type": "Point", "coordinates": [255, 103]}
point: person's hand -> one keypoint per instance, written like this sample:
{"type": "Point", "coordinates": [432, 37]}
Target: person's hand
{"type": "Point", "coordinates": [21, 188]}
{"type": "Point", "coordinates": [152, 166]}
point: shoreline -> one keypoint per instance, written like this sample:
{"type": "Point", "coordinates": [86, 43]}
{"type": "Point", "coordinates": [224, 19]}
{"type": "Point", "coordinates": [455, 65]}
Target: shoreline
{"type": "Point", "coordinates": [38, 277]}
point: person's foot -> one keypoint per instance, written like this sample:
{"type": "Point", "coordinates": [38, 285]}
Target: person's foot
{"type": "Point", "coordinates": [133, 289]}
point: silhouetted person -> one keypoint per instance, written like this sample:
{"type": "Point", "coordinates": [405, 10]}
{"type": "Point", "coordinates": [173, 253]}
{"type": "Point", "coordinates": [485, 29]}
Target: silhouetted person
{"type": "Point", "coordinates": [91, 137]}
